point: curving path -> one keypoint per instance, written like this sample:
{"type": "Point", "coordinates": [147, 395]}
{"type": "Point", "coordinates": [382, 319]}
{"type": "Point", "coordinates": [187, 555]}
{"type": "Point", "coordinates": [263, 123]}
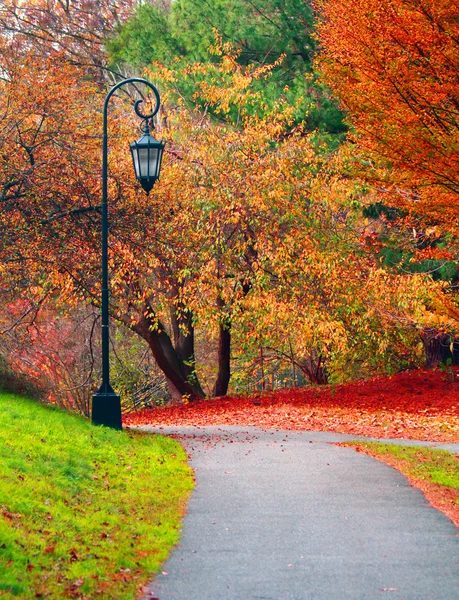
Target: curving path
{"type": "Point", "coordinates": [282, 515]}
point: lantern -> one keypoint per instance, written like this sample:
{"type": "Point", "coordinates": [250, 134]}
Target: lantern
{"type": "Point", "coordinates": [147, 153]}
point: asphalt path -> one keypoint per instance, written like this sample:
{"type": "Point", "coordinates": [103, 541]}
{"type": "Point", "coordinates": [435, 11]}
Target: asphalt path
{"type": "Point", "coordinates": [282, 515]}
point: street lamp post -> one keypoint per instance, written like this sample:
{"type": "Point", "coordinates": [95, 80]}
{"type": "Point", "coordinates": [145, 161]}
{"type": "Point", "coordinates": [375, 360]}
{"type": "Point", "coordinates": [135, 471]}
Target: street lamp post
{"type": "Point", "coordinates": [146, 154]}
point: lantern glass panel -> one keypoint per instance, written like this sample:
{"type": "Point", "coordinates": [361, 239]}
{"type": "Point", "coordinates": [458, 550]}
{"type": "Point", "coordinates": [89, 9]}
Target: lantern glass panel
{"type": "Point", "coordinates": [148, 159]}
{"type": "Point", "coordinates": [135, 158]}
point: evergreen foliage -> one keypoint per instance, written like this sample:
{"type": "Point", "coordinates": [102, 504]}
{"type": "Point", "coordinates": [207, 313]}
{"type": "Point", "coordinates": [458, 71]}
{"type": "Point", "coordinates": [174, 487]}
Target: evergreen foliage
{"type": "Point", "coordinates": [275, 33]}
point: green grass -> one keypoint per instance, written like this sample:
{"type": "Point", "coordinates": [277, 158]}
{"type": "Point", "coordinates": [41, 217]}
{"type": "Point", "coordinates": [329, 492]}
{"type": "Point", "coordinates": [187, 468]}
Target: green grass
{"type": "Point", "coordinates": [426, 464]}
{"type": "Point", "coordinates": [85, 512]}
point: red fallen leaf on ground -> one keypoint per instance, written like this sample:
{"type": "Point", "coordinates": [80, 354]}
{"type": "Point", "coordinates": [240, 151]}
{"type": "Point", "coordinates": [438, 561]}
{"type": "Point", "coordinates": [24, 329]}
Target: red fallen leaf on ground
{"type": "Point", "coordinates": [73, 555]}
{"type": "Point", "coordinates": [11, 516]}
{"type": "Point", "coordinates": [418, 404]}
{"type": "Point", "coordinates": [49, 550]}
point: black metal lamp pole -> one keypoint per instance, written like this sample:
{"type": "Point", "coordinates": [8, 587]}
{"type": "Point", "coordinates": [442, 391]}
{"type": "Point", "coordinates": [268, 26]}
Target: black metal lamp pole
{"type": "Point", "coordinates": [147, 155]}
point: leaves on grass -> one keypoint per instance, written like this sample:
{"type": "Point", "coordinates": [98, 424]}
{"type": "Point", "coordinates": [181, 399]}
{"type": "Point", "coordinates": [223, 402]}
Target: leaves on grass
{"type": "Point", "coordinates": [65, 534]}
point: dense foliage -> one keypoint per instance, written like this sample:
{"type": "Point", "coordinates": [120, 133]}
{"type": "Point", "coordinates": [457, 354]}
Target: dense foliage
{"type": "Point", "coordinates": [393, 64]}
{"type": "Point", "coordinates": [274, 33]}
{"type": "Point", "coordinates": [272, 251]}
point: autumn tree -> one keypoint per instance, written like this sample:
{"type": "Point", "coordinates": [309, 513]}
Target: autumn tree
{"type": "Point", "coordinates": [246, 240]}
{"type": "Point", "coordinates": [51, 198]}
{"type": "Point", "coordinates": [191, 253]}
{"type": "Point", "coordinates": [292, 261]}
{"type": "Point", "coordinates": [393, 65]}
{"type": "Point", "coordinates": [76, 29]}
{"type": "Point", "coordinates": [42, 213]}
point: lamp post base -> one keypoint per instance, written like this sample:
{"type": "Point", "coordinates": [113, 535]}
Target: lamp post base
{"type": "Point", "coordinates": [106, 409]}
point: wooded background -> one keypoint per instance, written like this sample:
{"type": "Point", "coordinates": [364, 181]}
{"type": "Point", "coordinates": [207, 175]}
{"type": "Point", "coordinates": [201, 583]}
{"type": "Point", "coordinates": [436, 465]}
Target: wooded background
{"type": "Point", "coordinates": [304, 230]}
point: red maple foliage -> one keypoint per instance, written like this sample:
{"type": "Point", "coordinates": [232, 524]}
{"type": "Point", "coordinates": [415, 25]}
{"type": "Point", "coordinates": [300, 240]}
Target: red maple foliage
{"type": "Point", "coordinates": [393, 65]}
{"type": "Point", "coordinates": [418, 404]}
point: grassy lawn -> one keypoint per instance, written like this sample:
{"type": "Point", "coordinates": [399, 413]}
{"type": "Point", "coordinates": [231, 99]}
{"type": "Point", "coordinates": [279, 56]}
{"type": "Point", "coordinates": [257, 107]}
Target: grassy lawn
{"type": "Point", "coordinates": [435, 472]}
{"type": "Point", "coordinates": [85, 512]}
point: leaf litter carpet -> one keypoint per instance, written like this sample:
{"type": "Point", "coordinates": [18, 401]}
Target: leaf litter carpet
{"type": "Point", "coordinates": [420, 405]}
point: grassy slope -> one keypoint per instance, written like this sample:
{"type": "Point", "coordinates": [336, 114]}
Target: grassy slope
{"type": "Point", "coordinates": [84, 511]}
{"type": "Point", "coordinates": [435, 472]}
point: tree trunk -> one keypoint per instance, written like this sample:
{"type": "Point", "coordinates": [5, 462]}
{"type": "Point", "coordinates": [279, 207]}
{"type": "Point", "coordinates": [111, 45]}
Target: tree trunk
{"type": "Point", "coordinates": [183, 328]}
{"type": "Point", "coordinates": [167, 358]}
{"type": "Point", "coordinates": [175, 394]}
{"type": "Point", "coordinates": [224, 360]}
{"type": "Point", "coordinates": [437, 348]}
{"type": "Point", "coordinates": [314, 368]}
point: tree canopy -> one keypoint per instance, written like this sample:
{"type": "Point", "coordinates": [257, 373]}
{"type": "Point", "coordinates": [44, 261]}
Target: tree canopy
{"type": "Point", "coordinates": [275, 33]}
{"type": "Point", "coordinates": [394, 67]}
{"type": "Point", "coordinates": [264, 243]}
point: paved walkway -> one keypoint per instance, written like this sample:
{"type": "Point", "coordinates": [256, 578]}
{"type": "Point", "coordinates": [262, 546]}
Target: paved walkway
{"type": "Point", "coordinates": [286, 516]}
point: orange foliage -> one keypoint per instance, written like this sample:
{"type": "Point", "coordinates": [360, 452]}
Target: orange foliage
{"type": "Point", "coordinates": [249, 229]}
{"type": "Point", "coordinates": [393, 64]}
{"type": "Point", "coordinates": [49, 165]}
